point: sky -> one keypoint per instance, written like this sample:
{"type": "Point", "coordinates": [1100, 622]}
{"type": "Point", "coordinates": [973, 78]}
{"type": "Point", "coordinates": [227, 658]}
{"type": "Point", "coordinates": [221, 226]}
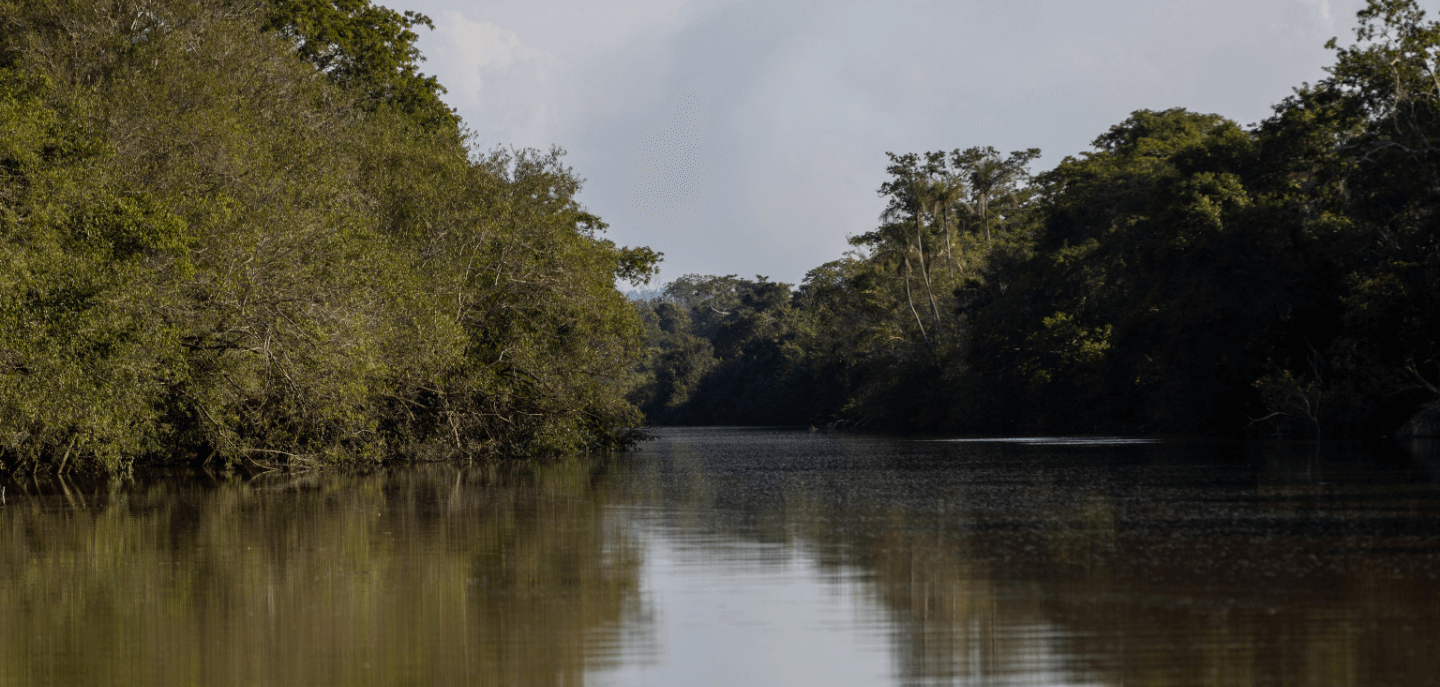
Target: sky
{"type": "Point", "coordinates": [749, 136]}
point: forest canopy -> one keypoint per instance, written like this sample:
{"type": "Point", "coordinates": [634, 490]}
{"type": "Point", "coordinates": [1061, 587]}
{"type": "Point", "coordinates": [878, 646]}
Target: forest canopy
{"type": "Point", "coordinates": [250, 231]}
{"type": "Point", "coordinates": [1186, 274]}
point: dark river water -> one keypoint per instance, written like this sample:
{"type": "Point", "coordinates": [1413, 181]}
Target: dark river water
{"type": "Point", "coordinates": [743, 557]}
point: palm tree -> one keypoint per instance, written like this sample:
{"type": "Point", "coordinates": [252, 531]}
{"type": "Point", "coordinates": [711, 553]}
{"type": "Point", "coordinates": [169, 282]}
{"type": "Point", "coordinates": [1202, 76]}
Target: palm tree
{"type": "Point", "coordinates": [909, 200]}
{"type": "Point", "coordinates": [946, 188]}
{"type": "Point", "coordinates": [890, 241]}
{"type": "Point", "coordinates": [991, 177]}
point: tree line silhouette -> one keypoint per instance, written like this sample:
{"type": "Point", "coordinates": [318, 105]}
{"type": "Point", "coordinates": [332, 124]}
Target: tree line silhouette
{"type": "Point", "coordinates": [1185, 274]}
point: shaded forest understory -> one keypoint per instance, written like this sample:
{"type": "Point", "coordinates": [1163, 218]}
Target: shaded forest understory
{"type": "Point", "coordinates": [1186, 274]}
{"type": "Point", "coordinates": [249, 231]}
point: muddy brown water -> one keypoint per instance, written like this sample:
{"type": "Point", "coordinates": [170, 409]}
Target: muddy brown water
{"type": "Point", "coordinates": [729, 556]}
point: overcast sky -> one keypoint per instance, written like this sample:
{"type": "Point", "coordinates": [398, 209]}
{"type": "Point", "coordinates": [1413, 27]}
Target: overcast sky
{"type": "Point", "coordinates": [749, 137]}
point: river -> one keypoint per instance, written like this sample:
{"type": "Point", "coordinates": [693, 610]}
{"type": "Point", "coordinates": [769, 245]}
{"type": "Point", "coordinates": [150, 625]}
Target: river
{"type": "Point", "coordinates": [734, 556]}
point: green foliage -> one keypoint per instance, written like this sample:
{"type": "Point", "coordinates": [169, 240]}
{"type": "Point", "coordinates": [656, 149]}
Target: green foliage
{"type": "Point", "coordinates": [1150, 239]}
{"type": "Point", "coordinates": [79, 369]}
{"type": "Point", "coordinates": [1186, 274]}
{"type": "Point", "coordinates": [1353, 176]}
{"type": "Point", "coordinates": [725, 350]}
{"type": "Point", "coordinates": [366, 48]}
{"type": "Point", "coordinates": [208, 254]}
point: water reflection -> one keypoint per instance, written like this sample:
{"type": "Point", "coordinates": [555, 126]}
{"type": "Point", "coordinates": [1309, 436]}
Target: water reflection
{"type": "Point", "coordinates": [730, 556]}
{"type": "Point", "coordinates": [425, 576]}
{"type": "Point", "coordinates": [1030, 563]}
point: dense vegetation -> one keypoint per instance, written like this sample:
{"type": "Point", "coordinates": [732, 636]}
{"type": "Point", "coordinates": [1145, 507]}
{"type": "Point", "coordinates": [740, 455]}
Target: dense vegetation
{"type": "Point", "coordinates": [239, 230]}
{"type": "Point", "coordinates": [1187, 274]}
{"type": "Point", "coordinates": [250, 231]}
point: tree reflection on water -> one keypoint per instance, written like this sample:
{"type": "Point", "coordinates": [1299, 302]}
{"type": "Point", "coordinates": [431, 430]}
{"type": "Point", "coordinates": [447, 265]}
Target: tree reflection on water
{"type": "Point", "coordinates": [980, 563]}
{"type": "Point", "coordinates": [434, 575]}
{"type": "Point", "coordinates": [1166, 565]}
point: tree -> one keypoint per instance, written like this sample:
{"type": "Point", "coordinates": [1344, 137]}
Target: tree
{"type": "Point", "coordinates": [946, 188]}
{"type": "Point", "coordinates": [207, 253]}
{"type": "Point", "coordinates": [992, 178]}
{"type": "Point", "coordinates": [910, 198]}
{"type": "Point", "coordinates": [1152, 275]}
{"type": "Point", "coordinates": [1357, 165]}
{"type": "Point", "coordinates": [366, 48]}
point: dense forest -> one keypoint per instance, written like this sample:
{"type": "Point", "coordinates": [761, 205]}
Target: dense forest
{"type": "Point", "coordinates": [249, 231]}
{"type": "Point", "coordinates": [1187, 274]}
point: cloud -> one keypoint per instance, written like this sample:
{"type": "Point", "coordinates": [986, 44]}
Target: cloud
{"type": "Point", "coordinates": [1323, 13]}
{"type": "Point", "coordinates": [505, 90]}
{"type": "Point", "coordinates": [470, 50]}
{"type": "Point", "coordinates": [671, 178]}
{"type": "Point", "coordinates": [776, 159]}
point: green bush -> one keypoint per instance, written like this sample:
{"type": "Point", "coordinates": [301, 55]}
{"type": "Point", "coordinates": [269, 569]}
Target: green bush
{"type": "Point", "coordinates": [212, 250]}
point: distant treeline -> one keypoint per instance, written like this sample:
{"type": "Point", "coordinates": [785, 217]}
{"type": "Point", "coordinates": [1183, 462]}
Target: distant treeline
{"type": "Point", "coordinates": [249, 231]}
{"type": "Point", "coordinates": [1187, 275]}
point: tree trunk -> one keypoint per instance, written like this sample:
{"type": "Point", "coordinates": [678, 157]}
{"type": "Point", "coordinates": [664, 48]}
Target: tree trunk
{"type": "Point", "coordinates": [911, 301]}
{"type": "Point", "coordinates": [925, 275]}
{"type": "Point", "coordinates": [945, 225]}
{"type": "Point", "coordinates": [985, 216]}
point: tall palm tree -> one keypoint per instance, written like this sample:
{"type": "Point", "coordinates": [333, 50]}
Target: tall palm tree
{"type": "Point", "coordinates": [891, 242]}
{"type": "Point", "coordinates": [992, 177]}
{"type": "Point", "coordinates": [909, 201]}
{"type": "Point", "coordinates": [946, 188]}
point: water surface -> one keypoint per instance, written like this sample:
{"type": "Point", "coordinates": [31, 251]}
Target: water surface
{"type": "Point", "coordinates": [743, 556]}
